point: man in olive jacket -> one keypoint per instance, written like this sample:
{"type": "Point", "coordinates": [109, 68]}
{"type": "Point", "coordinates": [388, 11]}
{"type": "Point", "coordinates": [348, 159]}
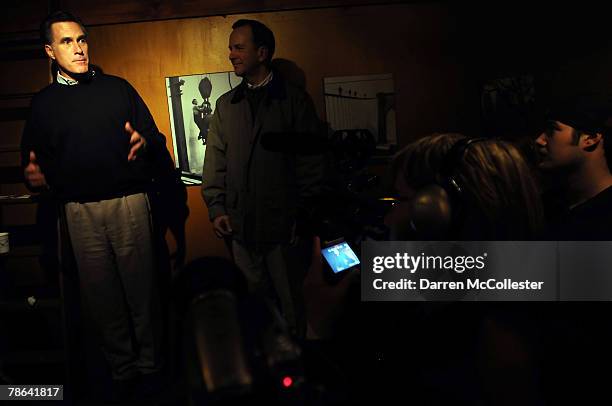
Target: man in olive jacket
{"type": "Point", "coordinates": [256, 176]}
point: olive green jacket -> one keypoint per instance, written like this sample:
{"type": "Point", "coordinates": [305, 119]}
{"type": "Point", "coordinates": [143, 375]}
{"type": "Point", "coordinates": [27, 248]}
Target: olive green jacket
{"type": "Point", "coordinates": [262, 189]}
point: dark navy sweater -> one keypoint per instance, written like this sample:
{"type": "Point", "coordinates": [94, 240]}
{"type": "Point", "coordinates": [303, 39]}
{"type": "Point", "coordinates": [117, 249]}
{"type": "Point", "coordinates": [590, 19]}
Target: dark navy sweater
{"type": "Point", "coordinates": [78, 135]}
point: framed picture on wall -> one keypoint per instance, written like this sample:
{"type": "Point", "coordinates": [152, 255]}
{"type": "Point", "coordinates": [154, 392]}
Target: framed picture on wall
{"type": "Point", "coordinates": [191, 104]}
{"type": "Point", "coordinates": [362, 106]}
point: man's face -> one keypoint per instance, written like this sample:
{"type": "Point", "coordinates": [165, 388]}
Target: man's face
{"type": "Point", "coordinates": [557, 147]}
{"type": "Point", "coordinates": [245, 56]}
{"type": "Point", "coordinates": [68, 48]}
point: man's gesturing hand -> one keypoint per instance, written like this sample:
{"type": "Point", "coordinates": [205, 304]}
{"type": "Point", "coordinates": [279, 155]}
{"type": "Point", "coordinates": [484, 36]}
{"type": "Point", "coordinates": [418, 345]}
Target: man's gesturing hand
{"type": "Point", "coordinates": [32, 173]}
{"type": "Point", "coordinates": [137, 142]}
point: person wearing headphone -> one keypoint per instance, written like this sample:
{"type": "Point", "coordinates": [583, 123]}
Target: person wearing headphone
{"type": "Point", "coordinates": [452, 187]}
{"type": "Point", "coordinates": [460, 188]}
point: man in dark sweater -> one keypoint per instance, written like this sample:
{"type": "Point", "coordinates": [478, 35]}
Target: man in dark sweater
{"type": "Point", "coordinates": [575, 152]}
{"type": "Point", "coordinates": [91, 139]}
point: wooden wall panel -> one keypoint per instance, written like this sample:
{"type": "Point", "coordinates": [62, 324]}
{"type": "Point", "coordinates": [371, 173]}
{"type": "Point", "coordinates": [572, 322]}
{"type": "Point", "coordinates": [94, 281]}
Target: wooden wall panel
{"type": "Point", "coordinates": [25, 15]}
{"type": "Point", "coordinates": [22, 15]}
{"type": "Point", "coordinates": [97, 12]}
{"type": "Point", "coordinates": [10, 133]}
{"type": "Point", "coordinates": [24, 76]}
{"type": "Point", "coordinates": [414, 42]}
{"type": "Point", "coordinates": [147, 53]}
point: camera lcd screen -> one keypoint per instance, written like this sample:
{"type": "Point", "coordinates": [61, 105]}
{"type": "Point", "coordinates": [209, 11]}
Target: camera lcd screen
{"type": "Point", "coordinates": [340, 257]}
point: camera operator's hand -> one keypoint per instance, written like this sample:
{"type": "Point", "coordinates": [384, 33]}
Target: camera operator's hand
{"type": "Point", "coordinates": [222, 226]}
{"type": "Point", "coordinates": [324, 302]}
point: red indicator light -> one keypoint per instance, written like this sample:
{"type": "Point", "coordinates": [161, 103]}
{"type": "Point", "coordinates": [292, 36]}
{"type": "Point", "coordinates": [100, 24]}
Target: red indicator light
{"type": "Point", "coordinates": [287, 381]}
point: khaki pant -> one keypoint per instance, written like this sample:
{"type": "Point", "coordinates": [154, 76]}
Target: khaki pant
{"type": "Point", "coordinates": [113, 247]}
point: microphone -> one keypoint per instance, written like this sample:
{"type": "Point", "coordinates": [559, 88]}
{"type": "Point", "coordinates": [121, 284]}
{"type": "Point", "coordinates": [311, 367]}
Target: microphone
{"type": "Point", "coordinates": [242, 345]}
{"type": "Point", "coordinates": [209, 290]}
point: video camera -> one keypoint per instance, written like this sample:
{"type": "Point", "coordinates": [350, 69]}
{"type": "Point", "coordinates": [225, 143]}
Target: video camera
{"type": "Point", "coordinates": [351, 210]}
{"type": "Point", "coordinates": [237, 348]}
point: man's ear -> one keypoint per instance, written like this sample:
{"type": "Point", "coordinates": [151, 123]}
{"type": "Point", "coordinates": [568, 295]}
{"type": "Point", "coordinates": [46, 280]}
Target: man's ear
{"type": "Point", "coordinates": [262, 53]}
{"type": "Point", "coordinates": [49, 51]}
{"type": "Point", "coordinates": [590, 141]}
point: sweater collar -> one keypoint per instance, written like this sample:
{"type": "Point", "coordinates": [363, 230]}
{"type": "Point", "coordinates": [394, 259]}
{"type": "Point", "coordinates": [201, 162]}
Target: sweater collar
{"type": "Point", "coordinates": [63, 80]}
{"type": "Point", "coordinates": [66, 81]}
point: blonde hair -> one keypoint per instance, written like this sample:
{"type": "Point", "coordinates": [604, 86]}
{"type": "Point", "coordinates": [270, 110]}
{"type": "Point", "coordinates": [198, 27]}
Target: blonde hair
{"type": "Point", "coordinates": [495, 178]}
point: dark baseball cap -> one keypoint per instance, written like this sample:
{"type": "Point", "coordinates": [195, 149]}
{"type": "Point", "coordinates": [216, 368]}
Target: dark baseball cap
{"type": "Point", "coordinates": [588, 112]}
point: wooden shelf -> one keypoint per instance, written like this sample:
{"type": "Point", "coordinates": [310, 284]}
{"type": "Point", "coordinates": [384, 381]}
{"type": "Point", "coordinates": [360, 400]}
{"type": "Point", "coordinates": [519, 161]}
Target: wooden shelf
{"type": "Point", "coordinates": [20, 304]}
{"type": "Point", "coordinates": [14, 113]}
{"type": "Point", "coordinates": [23, 251]}
{"type": "Point", "coordinates": [23, 199]}
{"type": "Point", "coordinates": [11, 174]}
{"type": "Point", "coordinates": [9, 148]}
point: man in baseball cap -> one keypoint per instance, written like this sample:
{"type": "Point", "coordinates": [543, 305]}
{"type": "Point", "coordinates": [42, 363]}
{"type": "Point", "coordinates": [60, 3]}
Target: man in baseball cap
{"type": "Point", "coordinates": [575, 149]}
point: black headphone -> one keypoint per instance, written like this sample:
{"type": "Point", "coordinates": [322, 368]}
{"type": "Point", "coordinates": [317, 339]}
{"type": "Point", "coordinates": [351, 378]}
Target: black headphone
{"type": "Point", "coordinates": [438, 208]}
